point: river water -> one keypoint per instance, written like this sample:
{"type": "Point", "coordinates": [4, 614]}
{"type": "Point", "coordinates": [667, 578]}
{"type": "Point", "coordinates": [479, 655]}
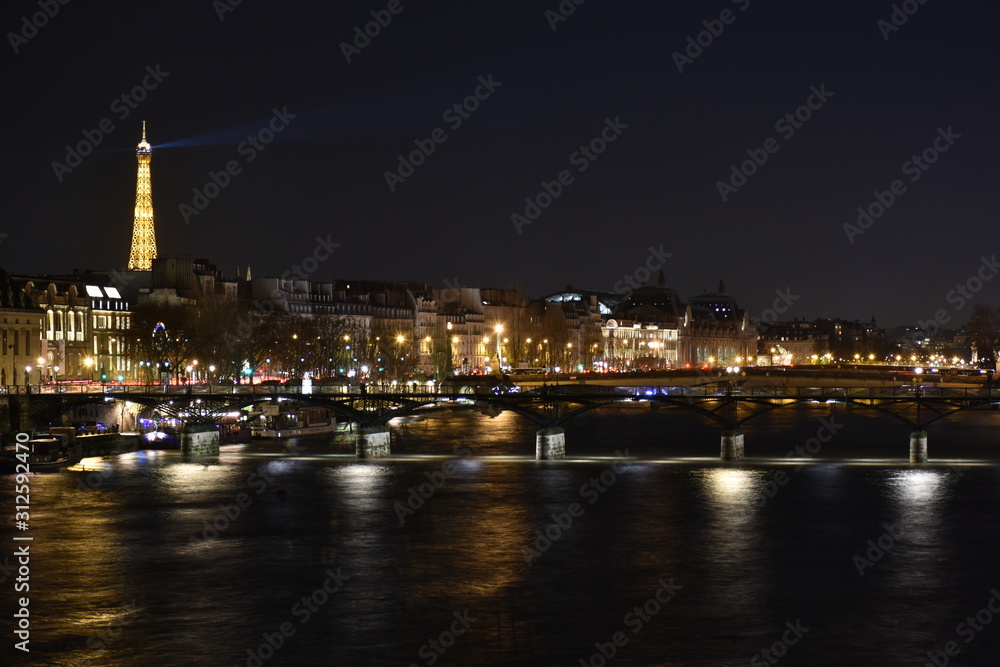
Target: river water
{"type": "Point", "coordinates": [640, 549]}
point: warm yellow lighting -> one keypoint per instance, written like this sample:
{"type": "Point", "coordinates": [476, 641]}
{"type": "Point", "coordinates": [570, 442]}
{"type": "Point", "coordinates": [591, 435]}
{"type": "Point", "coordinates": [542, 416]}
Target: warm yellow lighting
{"type": "Point", "coordinates": [143, 249]}
{"type": "Point", "coordinates": [400, 338]}
{"type": "Point", "coordinates": [41, 361]}
{"type": "Point", "coordinates": [498, 328]}
{"type": "Point", "coordinates": [88, 362]}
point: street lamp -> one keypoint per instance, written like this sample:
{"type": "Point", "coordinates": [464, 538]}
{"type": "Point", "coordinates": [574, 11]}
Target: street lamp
{"type": "Point", "coordinates": [27, 372]}
{"type": "Point", "coordinates": [41, 362]}
{"type": "Point", "coordinates": [499, 330]}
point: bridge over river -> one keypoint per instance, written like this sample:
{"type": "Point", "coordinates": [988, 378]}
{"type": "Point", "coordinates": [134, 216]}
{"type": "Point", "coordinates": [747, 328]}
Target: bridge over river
{"type": "Point", "coordinates": [727, 404]}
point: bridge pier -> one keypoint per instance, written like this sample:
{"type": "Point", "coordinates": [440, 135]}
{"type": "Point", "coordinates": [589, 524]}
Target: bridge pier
{"type": "Point", "coordinates": [732, 445]}
{"type": "Point", "coordinates": [199, 441]}
{"type": "Point", "coordinates": [550, 444]}
{"type": "Point", "coordinates": [373, 442]}
{"type": "Point", "coordinates": [918, 447]}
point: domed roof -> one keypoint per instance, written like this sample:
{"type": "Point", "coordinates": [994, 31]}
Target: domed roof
{"type": "Point", "coordinates": [716, 305]}
{"type": "Point", "coordinates": [651, 303]}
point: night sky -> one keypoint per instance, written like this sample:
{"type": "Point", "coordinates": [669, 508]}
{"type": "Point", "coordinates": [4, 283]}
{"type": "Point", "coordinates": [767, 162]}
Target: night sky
{"type": "Point", "coordinates": [887, 95]}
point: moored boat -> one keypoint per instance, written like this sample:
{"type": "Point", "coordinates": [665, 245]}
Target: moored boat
{"type": "Point", "coordinates": [40, 454]}
{"type": "Point", "coordinates": [287, 419]}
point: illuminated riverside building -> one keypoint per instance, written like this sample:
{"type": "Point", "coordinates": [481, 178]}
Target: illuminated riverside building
{"type": "Point", "coordinates": [652, 329]}
{"type": "Point", "coordinates": [716, 331]}
{"type": "Point", "coordinates": [471, 345]}
{"type": "Point", "coordinates": [84, 319]}
{"type": "Point", "coordinates": [413, 331]}
{"type": "Point", "coordinates": [143, 250]}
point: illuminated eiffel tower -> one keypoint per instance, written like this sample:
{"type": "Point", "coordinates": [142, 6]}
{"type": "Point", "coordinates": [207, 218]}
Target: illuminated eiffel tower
{"type": "Point", "coordinates": [143, 252]}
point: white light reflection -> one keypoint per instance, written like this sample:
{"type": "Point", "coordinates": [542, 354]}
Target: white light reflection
{"type": "Point", "coordinates": [922, 548]}
{"type": "Point", "coordinates": [279, 467]}
{"type": "Point", "coordinates": [918, 486]}
{"type": "Point", "coordinates": [735, 566]}
{"type": "Point", "coordinates": [728, 486]}
{"type": "Point", "coordinates": [363, 486]}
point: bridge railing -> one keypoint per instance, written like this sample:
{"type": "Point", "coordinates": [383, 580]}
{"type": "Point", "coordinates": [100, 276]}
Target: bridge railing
{"type": "Point", "coordinates": [590, 391]}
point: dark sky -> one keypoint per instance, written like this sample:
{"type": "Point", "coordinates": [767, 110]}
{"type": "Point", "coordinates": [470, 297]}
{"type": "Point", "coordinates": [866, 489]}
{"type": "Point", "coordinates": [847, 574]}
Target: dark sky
{"type": "Point", "coordinates": [655, 186]}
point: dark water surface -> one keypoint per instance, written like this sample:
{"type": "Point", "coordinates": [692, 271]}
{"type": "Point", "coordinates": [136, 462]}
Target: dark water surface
{"type": "Point", "coordinates": [737, 553]}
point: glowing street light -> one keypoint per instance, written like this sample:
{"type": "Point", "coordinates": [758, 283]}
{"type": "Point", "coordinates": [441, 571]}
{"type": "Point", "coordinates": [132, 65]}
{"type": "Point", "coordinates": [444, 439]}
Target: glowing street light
{"type": "Point", "coordinates": [499, 330]}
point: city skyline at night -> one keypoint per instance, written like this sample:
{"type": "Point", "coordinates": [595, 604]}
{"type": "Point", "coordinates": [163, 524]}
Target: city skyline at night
{"type": "Point", "coordinates": [808, 148]}
{"type": "Point", "coordinates": [556, 332]}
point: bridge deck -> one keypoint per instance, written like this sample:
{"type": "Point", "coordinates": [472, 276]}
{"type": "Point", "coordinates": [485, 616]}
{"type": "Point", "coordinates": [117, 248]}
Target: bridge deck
{"type": "Point", "coordinates": [565, 391]}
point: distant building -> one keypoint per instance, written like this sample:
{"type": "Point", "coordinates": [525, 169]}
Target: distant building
{"type": "Point", "coordinates": [178, 281]}
{"type": "Point", "coordinates": [825, 341]}
{"type": "Point", "coordinates": [793, 343]}
{"type": "Point", "coordinates": [20, 324]}
{"type": "Point", "coordinates": [855, 340]}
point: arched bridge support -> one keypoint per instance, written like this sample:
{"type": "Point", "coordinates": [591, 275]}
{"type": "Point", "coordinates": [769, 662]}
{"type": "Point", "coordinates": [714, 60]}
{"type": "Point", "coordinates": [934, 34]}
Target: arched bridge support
{"type": "Point", "coordinates": [550, 444]}
{"type": "Point", "coordinates": [373, 442]}
{"type": "Point", "coordinates": [918, 447]}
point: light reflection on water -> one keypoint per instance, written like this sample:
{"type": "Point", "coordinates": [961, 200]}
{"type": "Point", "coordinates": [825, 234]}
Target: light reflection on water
{"type": "Point", "coordinates": [733, 573]}
{"type": "Point", "coordinates": [745, 567]}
